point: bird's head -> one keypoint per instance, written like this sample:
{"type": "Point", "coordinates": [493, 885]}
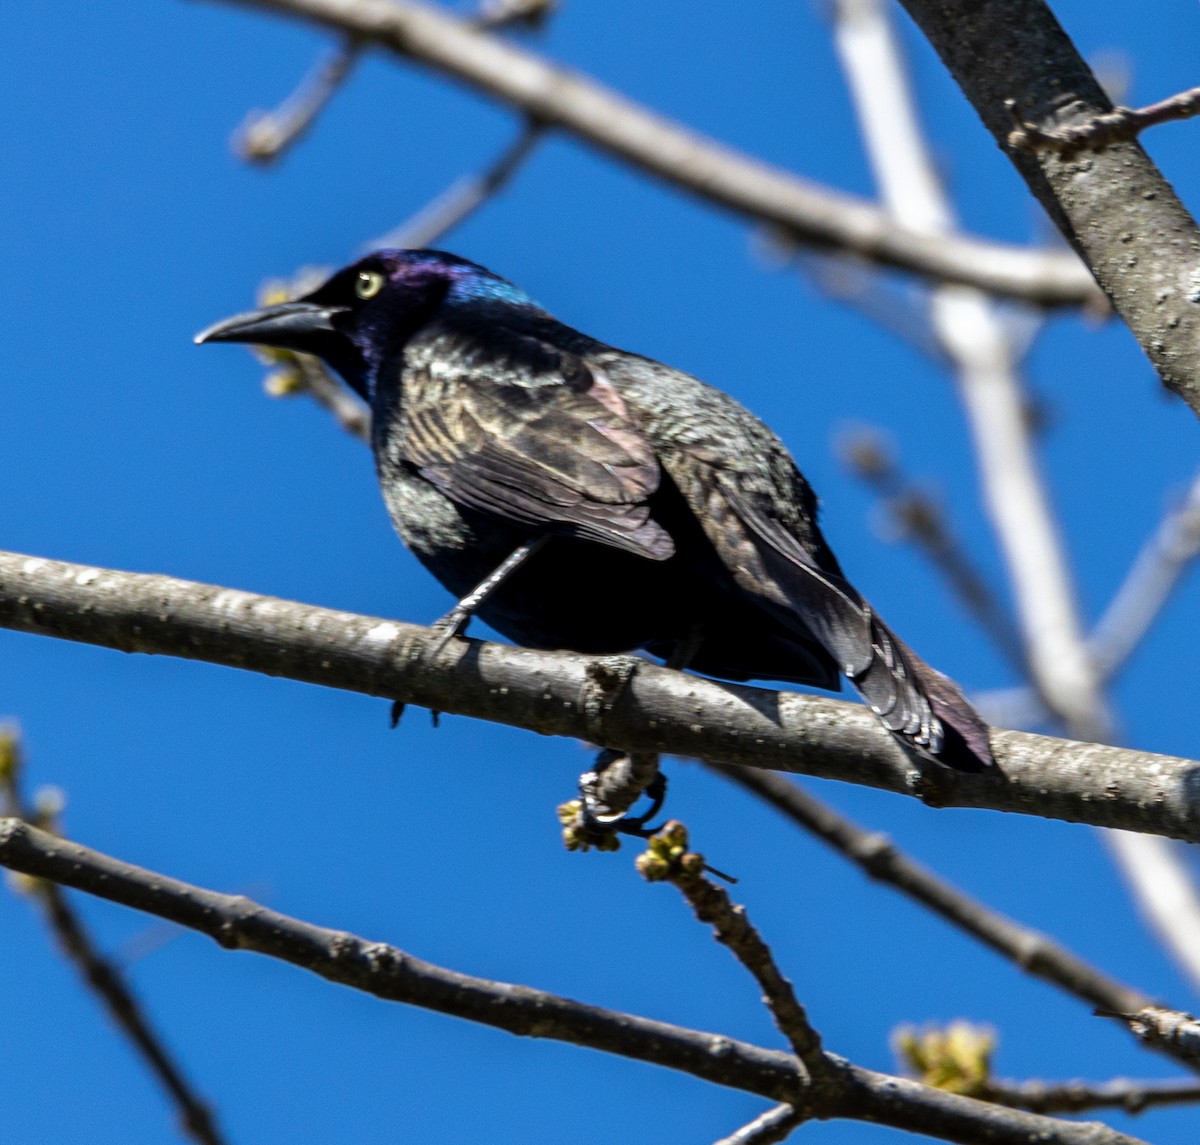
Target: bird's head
{"type": "Point", "coordinates": [365, 313]}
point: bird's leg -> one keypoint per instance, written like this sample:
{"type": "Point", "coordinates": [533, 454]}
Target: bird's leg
{"type": "Point", "coordinates": [620, 778]}
{"type": "Point", "coordinates": [685, 651]}
{"type": "Point", "coordinates": [455, 622]}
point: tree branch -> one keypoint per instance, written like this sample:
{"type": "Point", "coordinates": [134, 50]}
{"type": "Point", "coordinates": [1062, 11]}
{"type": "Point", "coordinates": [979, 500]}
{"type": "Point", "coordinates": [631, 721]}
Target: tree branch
{"type": "Point", "coordinates": [766, 1129]}
{"type": "Point", "coordinates": [1114, 206]}
{"type": "Point", "coordinates": [102, 976]}
{"type": "Point", "coordinates": [266, 135]}
{"type": "Point", "coordinates": [464, 197]}
{"type": "Point", "coordinates": [558, 98]}
{"type": "Point", "coordinates": [876, 855]}
{"type": "Point", "coordinates": [389, 973]}
{"type": "Point", "coordinates": [394, 975]}
{"type": "Point", "coordinates": [667, 859]}
{"type": "Point", "coordinates": [977, 344]}
{"type": "Point", "coordinates": [1077, 1096]}
{"type": "Point", "coordinates": [1162, 1029]}
{"type": "Point", "coordinates": [1117, 126]}
{"type": "Point", "coordinates": [560, 693]}
{"type": "Point", "coordinates": [1148, 585]}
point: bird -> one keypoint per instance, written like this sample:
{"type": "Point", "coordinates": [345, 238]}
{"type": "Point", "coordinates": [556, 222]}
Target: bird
{"type": "Point", "coordinates": [577, 496]}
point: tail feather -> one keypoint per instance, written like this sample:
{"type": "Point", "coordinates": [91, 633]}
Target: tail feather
{"type": "Point", "coordinates": [924, 709]}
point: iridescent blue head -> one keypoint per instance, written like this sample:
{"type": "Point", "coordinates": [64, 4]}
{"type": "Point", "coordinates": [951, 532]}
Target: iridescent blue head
{"type": "Point", "coordinates": [365, 313]}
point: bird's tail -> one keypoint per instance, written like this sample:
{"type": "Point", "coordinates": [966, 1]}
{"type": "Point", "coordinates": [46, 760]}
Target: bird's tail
{"type": "Point", "coordinates": [802, 586]}
{"type": "Point", "coordinates": [921, 706]}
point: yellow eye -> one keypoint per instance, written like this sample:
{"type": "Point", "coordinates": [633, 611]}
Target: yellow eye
{"type": "Point", "coordinates": [368, 284]}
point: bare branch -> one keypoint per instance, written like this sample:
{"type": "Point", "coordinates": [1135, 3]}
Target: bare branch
{"type": "Point", "coordinates": [100, 975]}
{"type": "Point", "coordinates": [266, 135]}
{"type": "Point", "coordinates": [310, 376]}
{"type": "Point", "coordinates": [1165, 893]}
{"type": "Point", "coordinates": [463, 198]}
{"type": "Point", "coordinates": [1077, 1096]}
{"type": "Point", "coordinates": [922, 521]}
{"type": "Point", "coordinates": [1148, 586]}
{"type": "Point", "coordinates": [391, 974]}
{"type": "Point", "coordinates": [1162, 1029]}
{"type": "Point", "coordinates": [877, 856]}
{"type": "Point", "coordinates": [495, 14]}
{"type": "Point", "coordinates": [667, 859]}
{"type": "Point", "coordinates": [556, 693]}
{"type": "Point", "coordinates": [985, 365]}
{"type": "Point", "coordinates": [1117, 126]}
{"type": "Point", "coordinates": [558, 98]}
{"type": "Point", "coordinates": [1114, 206]}
{"type": "Point", "coordinates": [1146, 590]}
{"type": "Point", "coordinates": [768, 1128]}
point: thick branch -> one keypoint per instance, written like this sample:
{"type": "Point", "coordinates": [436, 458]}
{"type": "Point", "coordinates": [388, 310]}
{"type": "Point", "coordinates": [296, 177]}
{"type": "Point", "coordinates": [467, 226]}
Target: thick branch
{"type": "Point", "coordinates": [1114, 206]}
{"type": "Point", "coordinates": [692, 162]}
{"type": "Point", "coordinates": [394, 975]}
{"type": "Point", "coordinates": [387, 972]}
{"type": "Point", "coordinates": [559, 693]}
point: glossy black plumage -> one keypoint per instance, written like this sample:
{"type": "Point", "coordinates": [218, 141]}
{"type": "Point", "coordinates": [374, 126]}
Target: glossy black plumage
{"type": "Point", "coordinates": [669, 505]}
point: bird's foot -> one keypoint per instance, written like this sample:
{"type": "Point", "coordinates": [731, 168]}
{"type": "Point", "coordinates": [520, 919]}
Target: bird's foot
{"type": "Point", "coordinates": [595, 816]}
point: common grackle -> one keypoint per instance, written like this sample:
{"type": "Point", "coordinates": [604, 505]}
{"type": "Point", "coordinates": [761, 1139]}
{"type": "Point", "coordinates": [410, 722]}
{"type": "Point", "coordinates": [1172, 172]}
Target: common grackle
{"type": "Point", "coordinates": [598, 500]}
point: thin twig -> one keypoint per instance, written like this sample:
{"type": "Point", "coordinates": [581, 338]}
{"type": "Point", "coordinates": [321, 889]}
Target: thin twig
{"type": "Point", "coordinates": [876, 855]}
{"type": "Point", "coordinates": [667, 859]}
{"type": "Point", "coordinates": [553, 693]}
{"type": "Point", "coordinates": [1116, 126]}
{"type": "Point", "coordinates": [566, 100]}
{"type": "Point", "coordinates": [464, 197]}
{"type": "Point", "coordinates": [348, 410]}
{"type": "Point", "coordinates": [266, 135]}
{"type": "Point", "coordinates": [1077, 1096]}
{"type": "Point", "coordinates": [101, 975]}
{"type": "Point", "coordinates": [766, 1129]}
{"type": "Point", "coordinates": [923, 523]}
{"type": "Point", "coordinates": [389, 973]}
{"type": "Point", "coordinates": [1152, 579]}
{"type": "Point", "coordinates": [497, 14]}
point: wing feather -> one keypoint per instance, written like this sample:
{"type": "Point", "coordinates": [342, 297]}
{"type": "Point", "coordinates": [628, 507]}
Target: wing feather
{"type": "Point", "coordinates": [554, 446]}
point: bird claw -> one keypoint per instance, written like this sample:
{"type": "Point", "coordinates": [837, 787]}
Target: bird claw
{"type": "Point", "coordinates": [624, 823]}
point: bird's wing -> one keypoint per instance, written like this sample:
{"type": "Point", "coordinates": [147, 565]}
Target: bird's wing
{"type": "Point", "coordinates": [769, 540]}
{"type": "Point", "coordinates": [536, 436]}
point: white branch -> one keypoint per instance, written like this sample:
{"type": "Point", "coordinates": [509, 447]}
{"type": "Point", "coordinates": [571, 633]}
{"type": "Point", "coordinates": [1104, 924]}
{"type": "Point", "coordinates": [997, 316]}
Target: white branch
{"type": "Point", "coordinates": [975, 339]}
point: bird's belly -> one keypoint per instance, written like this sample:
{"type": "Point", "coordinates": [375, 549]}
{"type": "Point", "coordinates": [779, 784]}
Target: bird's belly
{"type": "Point", "coordinates": [572, 594]}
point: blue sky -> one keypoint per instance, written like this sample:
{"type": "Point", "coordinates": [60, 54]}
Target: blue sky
{"type": "Point", "coordinates": [127, 224]}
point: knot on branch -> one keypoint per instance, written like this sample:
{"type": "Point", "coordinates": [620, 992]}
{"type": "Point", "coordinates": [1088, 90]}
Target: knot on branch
{"type": "Point", "coordinates": [605, 681]}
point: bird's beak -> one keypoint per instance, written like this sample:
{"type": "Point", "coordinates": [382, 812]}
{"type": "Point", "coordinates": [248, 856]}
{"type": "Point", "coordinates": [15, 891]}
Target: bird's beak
{"type": "Point", "coordinates": [290, 326]}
